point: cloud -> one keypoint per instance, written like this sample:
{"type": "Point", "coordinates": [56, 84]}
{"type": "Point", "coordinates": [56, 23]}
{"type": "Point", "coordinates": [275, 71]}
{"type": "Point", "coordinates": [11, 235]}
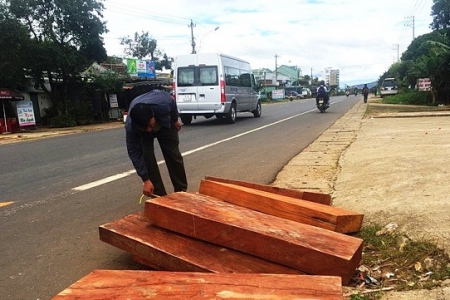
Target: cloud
{"type": "Point", "coordinates": [361, 39]}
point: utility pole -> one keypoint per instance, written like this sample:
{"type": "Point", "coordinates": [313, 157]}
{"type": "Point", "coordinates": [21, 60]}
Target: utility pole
{"type": "Point", "coordinates": [276, 71]}
{"type": "Point", "coordinates": [412, 24]}
{"type": "Point", "coordinates": [192, 25]}
{"type": "Point", "coordinates": [397, 47]}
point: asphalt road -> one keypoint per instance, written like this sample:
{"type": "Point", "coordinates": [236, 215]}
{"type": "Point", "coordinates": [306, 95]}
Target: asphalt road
{"type": "Point", "coordinates": [63, 188]}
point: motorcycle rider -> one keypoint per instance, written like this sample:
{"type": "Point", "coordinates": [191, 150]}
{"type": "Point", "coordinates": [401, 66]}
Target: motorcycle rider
{"type": "Point", "coordinates": [322, 92]}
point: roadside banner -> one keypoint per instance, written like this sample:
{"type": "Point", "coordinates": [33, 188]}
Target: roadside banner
{"type": "Point", "coordinates": [113, 101]}
{"type": "Point", "coordinates": [141, 68]}
{"type": "Point", "coordinates": [25, 113]}
{"type": "Point", "coordinates": [423, 84]}
{"type": "Point", "coordinates": [277, 94]}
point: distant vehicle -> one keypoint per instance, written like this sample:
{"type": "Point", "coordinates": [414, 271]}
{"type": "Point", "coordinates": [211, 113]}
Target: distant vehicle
{"type": "Point", "coordinates": [297, 89]}
{"type": "Point", "coordinates": [214, 84]}
{"type": "Point", "coordinates": [321, 105]}
{"type": "Point", "coordinates": [293, 95]}
{"type": "Point", "coordinates": [306, 92]}
{"type": "Point", "coordinates": [388, 87]}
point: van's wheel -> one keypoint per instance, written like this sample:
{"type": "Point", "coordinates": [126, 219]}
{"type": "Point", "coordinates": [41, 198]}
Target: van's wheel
{"type": "Point", "coordinates": [186, 119]}
{"type": "Point", "coordinates": [231, 115]}
{"type": "Point", "coordinates": [258, 110]}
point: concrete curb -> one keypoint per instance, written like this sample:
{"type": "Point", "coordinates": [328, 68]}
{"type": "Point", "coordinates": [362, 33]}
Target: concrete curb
{"type": "Point", "coordinates": [316, 167]}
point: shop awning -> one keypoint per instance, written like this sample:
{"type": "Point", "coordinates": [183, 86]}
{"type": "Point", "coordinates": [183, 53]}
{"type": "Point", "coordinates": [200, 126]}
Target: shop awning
{"type": "Point", "coordinates": [10, 94]}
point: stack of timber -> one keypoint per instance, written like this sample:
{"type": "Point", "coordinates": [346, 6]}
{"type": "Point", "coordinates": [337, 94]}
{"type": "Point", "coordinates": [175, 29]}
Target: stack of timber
{"type": "Point", "coordinates": [247, 234]}
{"type": "Point", "coordinates": [307, 248]}
{"type": "Point", "coordinates": [241, 227]}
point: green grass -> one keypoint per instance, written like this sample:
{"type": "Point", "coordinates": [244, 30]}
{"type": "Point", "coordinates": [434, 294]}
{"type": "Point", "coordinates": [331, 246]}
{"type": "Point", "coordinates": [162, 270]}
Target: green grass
{"type": "Point", "coordinates": [415, 264]}
{"type": "Point", "coordinates": [409, 98]}
{"type": "Point", "coordinates": [360, 296]}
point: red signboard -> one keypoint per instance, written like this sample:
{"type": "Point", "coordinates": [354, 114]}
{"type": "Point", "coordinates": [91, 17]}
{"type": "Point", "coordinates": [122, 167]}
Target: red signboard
{"type": "Point", "coordinates": [423, 84]}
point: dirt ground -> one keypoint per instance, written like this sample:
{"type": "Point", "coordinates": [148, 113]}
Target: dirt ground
{"type": "Point", "coordinates": [392, 167]}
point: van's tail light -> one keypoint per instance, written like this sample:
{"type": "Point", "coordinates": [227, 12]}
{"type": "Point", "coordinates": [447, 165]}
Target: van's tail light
{"type": "Point", "coordinates": [222, 91]}
{"type": "Point", "coordinates": [174, 90]}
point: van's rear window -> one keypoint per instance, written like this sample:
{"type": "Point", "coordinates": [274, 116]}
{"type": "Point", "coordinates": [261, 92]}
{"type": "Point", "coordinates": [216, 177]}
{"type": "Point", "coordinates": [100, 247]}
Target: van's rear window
{"type": "Point", "coordinates": [197, 76]}
{"type": "Point", "coordinates": [389, 83]}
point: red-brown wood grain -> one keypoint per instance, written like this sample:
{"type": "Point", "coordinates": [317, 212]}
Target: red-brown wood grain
{"type": "Point", "coordinates": [310, 249]}
{"type": "Point", "coordinates": [136, 285]}
{"type": "Point", "coordinates": [307, 212]}
{"type": "Point", "coordinates": [166, 250]}
{"type": "Point", "coordinates": [305, 195]}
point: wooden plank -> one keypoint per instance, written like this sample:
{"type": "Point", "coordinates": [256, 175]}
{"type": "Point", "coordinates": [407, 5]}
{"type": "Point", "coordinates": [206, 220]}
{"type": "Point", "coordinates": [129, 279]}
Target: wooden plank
{"type": "Point", "coordinates": [307, 248]}
{"type": "Point", "coordinates": [165, 250]}
{"type": "Point", "coordinates": [136, 285]}
{"type": "Point", "coordinates": [304, 195]}
{"type": "Point", "coordinates": [324, 216]}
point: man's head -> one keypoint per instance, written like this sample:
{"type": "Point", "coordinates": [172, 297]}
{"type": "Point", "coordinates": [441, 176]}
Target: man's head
{"type": "Point", "coordinates": [143, 117]}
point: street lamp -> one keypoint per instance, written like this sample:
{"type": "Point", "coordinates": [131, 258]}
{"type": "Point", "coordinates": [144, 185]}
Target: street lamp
{"type": "Point", "coordinates": [200, 44]}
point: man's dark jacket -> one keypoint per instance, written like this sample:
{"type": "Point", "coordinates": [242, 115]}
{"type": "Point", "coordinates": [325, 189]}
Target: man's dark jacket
{"type": "Point", "coordinates": [166, 113]}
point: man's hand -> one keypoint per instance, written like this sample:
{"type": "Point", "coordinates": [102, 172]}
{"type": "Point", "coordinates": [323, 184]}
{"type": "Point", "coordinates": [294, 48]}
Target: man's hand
{"type": "Point", "coordinates": [148, 188]}
{"type": "Point", "coordinates": [177, 125]}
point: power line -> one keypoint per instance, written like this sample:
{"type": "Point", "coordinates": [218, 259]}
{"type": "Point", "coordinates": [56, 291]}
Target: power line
{"type": "Point", "coordinates": [420, 7]}
{"type": "Point", "coordinates": [415, 5]}
{"type": "Point", "coordinates": [143, 13]}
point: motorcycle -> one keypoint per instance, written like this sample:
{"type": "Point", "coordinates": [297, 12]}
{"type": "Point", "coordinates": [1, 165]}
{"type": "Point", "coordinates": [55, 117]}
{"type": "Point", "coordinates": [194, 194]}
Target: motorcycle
{"type": "Point", "coordinates": [347, 93]}
{"type": "Point", "coordinates": [321, 105]}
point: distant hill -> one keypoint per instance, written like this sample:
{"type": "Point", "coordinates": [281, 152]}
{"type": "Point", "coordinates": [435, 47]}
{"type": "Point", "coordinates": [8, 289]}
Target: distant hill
{"type": "Point", "coordinates": [369, 85]}
{"type": "Point", "coordinates": [361, 85]}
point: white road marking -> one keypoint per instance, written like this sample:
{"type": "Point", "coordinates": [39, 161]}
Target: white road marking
{"type": "Point", "coordinates": [109, 179]}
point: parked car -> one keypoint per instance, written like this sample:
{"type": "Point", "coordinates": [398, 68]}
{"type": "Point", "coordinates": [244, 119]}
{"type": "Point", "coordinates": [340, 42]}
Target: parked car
{"type": "Point", "coordinates": [388, 87]}
{"type": "Point", "coordinates": [306, 93]}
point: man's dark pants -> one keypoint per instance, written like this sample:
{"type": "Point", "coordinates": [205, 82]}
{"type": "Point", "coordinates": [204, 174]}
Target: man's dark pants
{"type": "Point", "coordinates": [168, 141]}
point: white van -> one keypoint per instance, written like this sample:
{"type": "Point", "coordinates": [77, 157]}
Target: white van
{"type": "Point", "coordinates": [213, 84]}
{"type": "Point", "coordinates": [388, 87]}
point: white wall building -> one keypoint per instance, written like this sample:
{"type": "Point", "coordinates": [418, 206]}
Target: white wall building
{"type": "Point", "coordinates": [330, 76]}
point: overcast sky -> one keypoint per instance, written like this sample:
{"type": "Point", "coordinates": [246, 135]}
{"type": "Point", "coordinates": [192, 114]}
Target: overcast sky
{"type": "Point", "coordinates": [361, 38]}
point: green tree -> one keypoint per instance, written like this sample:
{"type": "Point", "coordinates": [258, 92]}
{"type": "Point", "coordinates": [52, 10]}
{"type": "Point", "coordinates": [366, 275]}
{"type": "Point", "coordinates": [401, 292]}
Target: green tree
{"type": "Point", "coordinates": [434, 64]}
{"type": "Point", "coordinates": [166, 62]}
{"type": "Point", "coordinates": [420, 46]}
{"type": "Point", "coordinates": [65, 40]}
{"type": "Point", "coordinates": [141, 46]}
{"type": "Point", "coordinates": [441, 14]}
{"type": "Point", "coordinates": [14, 45]}
{"type": "Point", "coordinates": [144, 46]}
{"type": "Point", "coordinates": [409, 72]}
